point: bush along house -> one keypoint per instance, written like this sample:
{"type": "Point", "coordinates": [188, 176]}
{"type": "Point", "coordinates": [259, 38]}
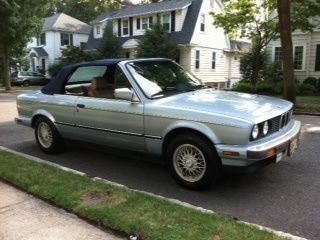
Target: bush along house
{"type": "Point", "coordinates": [204, 50]}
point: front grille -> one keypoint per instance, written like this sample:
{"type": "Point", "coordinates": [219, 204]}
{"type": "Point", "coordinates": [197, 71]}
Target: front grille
{"type": "Point", "coordinates": [280, 122]}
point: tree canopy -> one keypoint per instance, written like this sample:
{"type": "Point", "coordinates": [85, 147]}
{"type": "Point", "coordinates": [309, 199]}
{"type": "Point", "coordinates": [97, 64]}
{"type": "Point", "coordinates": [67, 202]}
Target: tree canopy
{"type": "Point", "coordinates": [84, 10]}
{"type": "Point", "coordinates": [109, 46]}
{"type": "Point", "coordinates": [19, 21]}
{"type": "Point", "coordinates": [156, 43]}
{"type": "Point", "coordinates": [259, 21]}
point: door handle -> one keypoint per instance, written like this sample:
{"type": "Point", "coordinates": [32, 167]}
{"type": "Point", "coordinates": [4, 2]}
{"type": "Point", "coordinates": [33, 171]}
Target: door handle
{"type": "Point", "coordinates": [81, 105]}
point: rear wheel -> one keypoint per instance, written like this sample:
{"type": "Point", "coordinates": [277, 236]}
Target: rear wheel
{"type": "Point", "coordinates": [26, 83]}
{"type": "Point", "coordinates": [47, 136]}
{"type": "Point", "coordinates": [193, 161]}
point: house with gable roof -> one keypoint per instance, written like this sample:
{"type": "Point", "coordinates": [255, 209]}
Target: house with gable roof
{"type": "Point", "coordinates": [58, 32]}
{"type": "Point", "coordinates": [204, 50]}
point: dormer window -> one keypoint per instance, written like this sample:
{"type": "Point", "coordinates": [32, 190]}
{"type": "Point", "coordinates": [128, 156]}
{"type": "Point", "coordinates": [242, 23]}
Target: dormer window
{"type": "Point", "coordinates": [203, 22]}
{"type": "Point", "coordinates": [165, 20]}
{"type": "Point", "coordinates": [125, 27]}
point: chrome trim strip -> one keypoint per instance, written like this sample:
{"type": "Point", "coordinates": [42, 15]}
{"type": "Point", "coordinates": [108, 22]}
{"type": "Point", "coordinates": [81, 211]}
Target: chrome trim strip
{"type": "Point", "coordinates": [110, 131]}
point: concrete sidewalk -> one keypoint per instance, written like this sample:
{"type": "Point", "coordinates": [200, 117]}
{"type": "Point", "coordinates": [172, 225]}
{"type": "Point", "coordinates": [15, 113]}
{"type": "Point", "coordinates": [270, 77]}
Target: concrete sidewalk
{"type": "Point", "coordinates": [24, 217]}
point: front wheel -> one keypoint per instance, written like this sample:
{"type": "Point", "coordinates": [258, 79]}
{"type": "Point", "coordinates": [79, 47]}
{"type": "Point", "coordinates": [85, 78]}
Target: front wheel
{"type": "Point", "coordinates": [47, 136]}
{"type": "Point", "coordinates": [193, 161]}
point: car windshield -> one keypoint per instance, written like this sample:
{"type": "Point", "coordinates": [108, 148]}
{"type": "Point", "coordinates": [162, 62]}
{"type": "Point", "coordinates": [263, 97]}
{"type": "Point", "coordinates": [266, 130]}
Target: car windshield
{"type": "Point", "coordinates": [162, 78]}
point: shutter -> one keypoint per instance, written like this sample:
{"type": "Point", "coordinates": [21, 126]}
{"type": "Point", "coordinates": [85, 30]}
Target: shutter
{"type": "Point", "coordinates": [131, 26]}
{"type": "Point", "coordinates": [317, 67]}
{"type": "Point", "coordinates": [173, 21]}
{"type": "Point", "coordinates": [119, 27]}
{"type": "Point", "coordinates": [61, 39]}
{"type": "Point", "coordinates": [71, 39]}
{"type": "Point", "coordinates": [150, 22]}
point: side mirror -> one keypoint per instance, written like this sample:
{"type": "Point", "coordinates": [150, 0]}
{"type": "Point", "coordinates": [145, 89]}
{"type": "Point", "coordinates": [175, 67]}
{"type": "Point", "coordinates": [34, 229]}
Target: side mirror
{"type": "Point", "coordinates": [126, 94]}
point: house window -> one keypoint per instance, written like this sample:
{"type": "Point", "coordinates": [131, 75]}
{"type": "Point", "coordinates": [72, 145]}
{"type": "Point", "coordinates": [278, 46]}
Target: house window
{"type": "Point", "coordinates": [317, 67]}
{"type": "Point", "coordinates": [98, 30]}
{"type": "Point", "coordinates": [197, 59]}
{"type": "Point", "coordinates": [165, 19]}
{"type": "Point", "coordinates": [66, 39]}
{"type": "Point", "coordinates": [298, 57]}
{"type": "Point", "coordinates": [277, 54]}
{"type": "Point", "coordinates": [150, 22]}
{"type": "Point", "coordinates": [213, 62]}
{"type": "Point", "coordinates": [145, 23]}
{"type": "Point", "coordinates": [41, 40]}
{"type": "Point", "coordinates": [202, 23]}
{"type": "Point", "coordinates": [138, 23]}
{"type": "Point", "coordinates": [125, 27]}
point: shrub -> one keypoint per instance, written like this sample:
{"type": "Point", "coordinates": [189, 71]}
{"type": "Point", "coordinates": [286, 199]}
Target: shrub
{"type": "Point", "coordinates": [265, 87]}
{"type": "Point", "coordinates": [273, 72]}
{"type": "Point", "coordinates": [278, 88]}
{"type": "Point", "coordinates": [244, 87]}
{"type": "Point", "coordinates": [306, 88]}
{"type": "Point", "coordinates": [312, 81]}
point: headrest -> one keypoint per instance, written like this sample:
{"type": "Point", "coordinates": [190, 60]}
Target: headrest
{"type": "Point", "coordinates": [98, 83]}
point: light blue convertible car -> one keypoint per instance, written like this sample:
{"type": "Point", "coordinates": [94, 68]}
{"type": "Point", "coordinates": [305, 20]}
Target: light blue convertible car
{"type": "Point", "coordinates": [154, 106]}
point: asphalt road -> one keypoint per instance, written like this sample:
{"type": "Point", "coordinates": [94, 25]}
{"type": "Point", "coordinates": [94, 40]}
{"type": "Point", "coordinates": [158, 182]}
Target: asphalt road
{"type": "Point", "coordinates": [283, 196]}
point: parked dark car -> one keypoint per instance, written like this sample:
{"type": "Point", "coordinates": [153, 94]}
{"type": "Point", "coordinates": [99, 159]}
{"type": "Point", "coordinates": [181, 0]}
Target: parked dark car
{"type": "Point", "coordinates": [28, 78]}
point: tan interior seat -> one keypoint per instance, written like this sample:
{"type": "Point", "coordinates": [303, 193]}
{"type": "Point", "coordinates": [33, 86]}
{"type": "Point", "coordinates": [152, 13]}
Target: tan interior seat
{"type": "Point", "coordinates": [101, 89]}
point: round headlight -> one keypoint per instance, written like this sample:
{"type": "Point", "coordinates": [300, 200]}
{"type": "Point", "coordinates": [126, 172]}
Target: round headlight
{"type": "Point", "coordinates": [255, 132]}
{"type": "Point", "coordinates": [265, 128]}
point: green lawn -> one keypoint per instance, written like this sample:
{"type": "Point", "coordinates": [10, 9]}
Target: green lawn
{"type": "Point", "coordinates": [119, 208]}
{"type": "Point", "coordinates": [309, 104]}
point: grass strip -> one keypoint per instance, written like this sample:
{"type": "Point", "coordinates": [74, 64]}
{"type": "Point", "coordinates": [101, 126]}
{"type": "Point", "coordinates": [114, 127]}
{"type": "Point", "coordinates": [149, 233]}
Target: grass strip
{"type": "Point", "coordinates": [121, 209]}
{"type": "Point", "coordinates": [310, 104]}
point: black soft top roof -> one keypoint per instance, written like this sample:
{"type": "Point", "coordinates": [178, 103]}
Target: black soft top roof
{"type": "Point", "coordinates": [55, 86]}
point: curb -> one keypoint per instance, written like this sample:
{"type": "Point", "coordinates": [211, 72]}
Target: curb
{"type": "Point", "coordinates": [306, 113]}
{"type": "Point", "coordinates": [171, 200]}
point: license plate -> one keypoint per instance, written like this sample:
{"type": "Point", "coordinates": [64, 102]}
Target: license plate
{"type": "Point", "coordinates": [293, 145]}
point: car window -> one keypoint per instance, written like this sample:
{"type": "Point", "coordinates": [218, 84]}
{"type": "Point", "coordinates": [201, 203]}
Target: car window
{"type": "Point", "coordinates": [14, 74]}
{"type": "Point", "coordinates": [80, 82]}
{"type": "Point", "coordinates": [86, 74]}
{"type": "Point", "coordinates": [23, 74]}
{"type": "Point", "coordinates": [121, 80]}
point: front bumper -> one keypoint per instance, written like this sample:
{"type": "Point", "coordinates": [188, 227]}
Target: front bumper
{"type": "Point", "coordinates": [23, 120]}
{"type": "Point", "coordinates": [276, 143]}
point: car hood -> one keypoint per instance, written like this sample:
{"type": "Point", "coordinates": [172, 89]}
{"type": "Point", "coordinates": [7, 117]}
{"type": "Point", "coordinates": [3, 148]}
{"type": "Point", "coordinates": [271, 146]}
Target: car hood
{"type": "Point", "coordinates": [248, 107]}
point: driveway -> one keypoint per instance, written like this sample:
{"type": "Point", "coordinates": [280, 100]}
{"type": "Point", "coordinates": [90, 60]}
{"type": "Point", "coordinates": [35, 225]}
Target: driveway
{"type": "Point", "coordinates": [283, 196]}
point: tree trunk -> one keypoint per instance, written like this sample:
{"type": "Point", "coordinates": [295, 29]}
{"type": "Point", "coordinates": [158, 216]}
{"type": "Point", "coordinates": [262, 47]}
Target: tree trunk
{"type": "Point", "coordinates": [287, 50]}
{"type": "Point", "coordinates": [6, 68]}
{"type": "Point", "coordinates": [256, 65]}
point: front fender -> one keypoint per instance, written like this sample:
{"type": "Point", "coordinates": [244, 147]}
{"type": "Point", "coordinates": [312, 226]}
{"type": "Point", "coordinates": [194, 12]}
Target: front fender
{"type": "Point", "coordinates": [196, 126]}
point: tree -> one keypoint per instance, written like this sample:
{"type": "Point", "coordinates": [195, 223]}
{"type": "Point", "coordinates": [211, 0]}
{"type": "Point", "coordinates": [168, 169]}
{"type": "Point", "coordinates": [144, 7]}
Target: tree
{"type": "Point", "coordinates": [19, 21]}
{"type": "Point", "coordinates": [109, 46]}
{"type": "Point", "coordinates": [156, 43]}
{"type": "Point", "coordinates": [257, 21]}
{"type": "Point", "coordinates": [84, 10]}
{"type": "Point", "coordinates": [283, 7]}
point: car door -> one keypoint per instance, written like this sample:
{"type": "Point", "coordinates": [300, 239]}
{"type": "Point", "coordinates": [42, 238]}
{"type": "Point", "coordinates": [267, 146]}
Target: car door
{"type": "Point", "coordinates": [105, 120]}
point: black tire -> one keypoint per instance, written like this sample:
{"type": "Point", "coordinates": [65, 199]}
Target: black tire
{"type": "Point", "coordinates": [53, 146]}
{"type": "Point", "coordinates": [26, 83]}
{"type": "Point", "coordinates": [212, 170]}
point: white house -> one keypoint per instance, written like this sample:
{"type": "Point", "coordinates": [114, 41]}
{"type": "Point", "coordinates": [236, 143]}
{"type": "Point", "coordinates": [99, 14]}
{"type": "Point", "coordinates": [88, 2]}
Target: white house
{"type": "Point", "coordinates": [58, 32]}
{"type": "Point", "coordinates": [306, 53]}
{"type": "Point", "coordinates": [205, 50]}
